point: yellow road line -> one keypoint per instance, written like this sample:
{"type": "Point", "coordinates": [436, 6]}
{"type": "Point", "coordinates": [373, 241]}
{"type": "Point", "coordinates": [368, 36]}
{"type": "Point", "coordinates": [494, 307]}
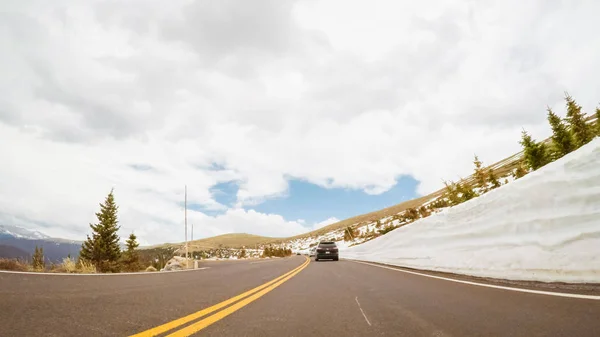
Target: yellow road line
{"type": "Point", "coordinates": [181, 321]}
{"type": "Point", "coordinates": [193, 328]}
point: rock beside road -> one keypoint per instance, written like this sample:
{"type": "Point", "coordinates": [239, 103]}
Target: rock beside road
{"type": "Point", "coordinates": [176, 263]}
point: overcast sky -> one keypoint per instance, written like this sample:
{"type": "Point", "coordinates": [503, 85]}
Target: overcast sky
{"type": "Point", "coordinates": [146, 96]}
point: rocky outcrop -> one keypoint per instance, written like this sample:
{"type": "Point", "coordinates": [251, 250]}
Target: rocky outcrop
{"type": "Point", "coordinates": [176, 263]}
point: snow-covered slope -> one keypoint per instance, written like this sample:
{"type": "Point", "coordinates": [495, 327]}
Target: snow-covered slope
{"type": "Point", "coordinates": [22, 233]}
{"type": "Point", "coordinates": [544, 227]}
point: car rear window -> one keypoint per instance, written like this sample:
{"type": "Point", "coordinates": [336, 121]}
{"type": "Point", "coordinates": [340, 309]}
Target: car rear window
{"type": "Point", "coordinates": [327, 244]}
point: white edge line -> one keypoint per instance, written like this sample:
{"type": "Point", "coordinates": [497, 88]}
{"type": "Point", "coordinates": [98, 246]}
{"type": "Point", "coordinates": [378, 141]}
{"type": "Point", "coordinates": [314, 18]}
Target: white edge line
{"type": "Point", "coordinates": [363, 313]}
{"type": "Point", "coordinates": [540, 292]}
{"type": "Point", "coordinates": [99, 274]}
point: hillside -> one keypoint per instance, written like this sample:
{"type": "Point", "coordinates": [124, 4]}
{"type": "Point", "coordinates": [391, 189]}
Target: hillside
{"type": "Point", "coordinates": [501, 168]}
{"type": "Point", "coordinates": [233, 240]}
{"type": "Point", "coordinates": [11, 252]}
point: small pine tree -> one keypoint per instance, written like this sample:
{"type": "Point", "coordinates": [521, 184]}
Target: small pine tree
{"type": "Point", "coordinates": [562, 141]}
{"type": "Point", "coordinates": [38, 262]}
{"type": "Point", "coordinates": [440, 202]}
{"type": "Point", "coordinates": [536, 154]}
{"type": "Point", "coordinates": [520, 171]}
{"type": "Point", "coordinates": [480, 175]}
{"type": "Point", "coordinates": [267, 251]}
{"type": "Point", "coordinates": [492, 179]}
{"type": "Point", "coordinates": [598, 121]}
{"type": "Point", "coordinates": [411, 214]}
{"type": "Point", "coordinates": [349, 234]}
{"type": "Point", "coordinates": [102, 249]}
{"type": "Point", "coordinates": [465, 191]}
{"type": "Point", "coordinates": [424, 212]}
{"type": "Point", "coordinates": [459, 192]}
{"type": "Point", "coordinates": [582, 133]}
{"type": "Point", "coordinates": [131, 257]}
{"type": "Point", "coordinates": [451, 193]}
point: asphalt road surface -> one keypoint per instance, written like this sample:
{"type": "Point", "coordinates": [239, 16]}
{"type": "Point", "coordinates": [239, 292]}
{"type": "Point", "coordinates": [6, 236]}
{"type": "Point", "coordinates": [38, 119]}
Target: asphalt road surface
{"type": "Point", "coordinates": [282, 297]}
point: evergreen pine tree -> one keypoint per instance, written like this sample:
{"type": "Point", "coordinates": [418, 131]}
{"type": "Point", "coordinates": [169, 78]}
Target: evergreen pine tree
{"type": "Point", "coordinates": [562, 141]}
{"type": "Point", "coordinates": [102, 249]}
{"type": "Point", "coordinates": [582, 132]}
{"type": "Point", "coordinates": [493, 180]}
{"type": "Point", "coordinates": [38, 262]}
{"type": "Point", "coordinates": [465, 191]}
{"type": "Point", "coordinates": [411, 214]}
{"type": "Point", "coordinates": [424, 212]}
{"type": "Point", "coordinates": [536, 154]}
{"type": "Point", "coordinates": [520, 171]}
{"type": "Point", "coordinates": [131, 257]}
{"type": "Point", "coordinates": [451, 193]}
{"type": "Point", "coordinates": [480, 176]}
{"type": "Point", "coordinates": [349, 234]}
{"type": "Point", "coordinates": [598, 122]}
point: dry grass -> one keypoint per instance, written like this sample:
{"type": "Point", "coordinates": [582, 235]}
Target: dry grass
{"type": "Point", "coordinates": [14, 265]}
{"type": "Point", "coordinates": [69, 265]}
{"type": "Point", "coordinates": [151, 268]}
{"type": "Point", "coordinates": [86, 267]}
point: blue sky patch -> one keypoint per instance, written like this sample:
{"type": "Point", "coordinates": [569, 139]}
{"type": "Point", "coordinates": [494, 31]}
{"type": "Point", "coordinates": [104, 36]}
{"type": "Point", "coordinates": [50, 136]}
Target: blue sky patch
{"type": "Point", "coordinates": [315, 204]}
{"type": "Point", "coordinates": [225, 193]}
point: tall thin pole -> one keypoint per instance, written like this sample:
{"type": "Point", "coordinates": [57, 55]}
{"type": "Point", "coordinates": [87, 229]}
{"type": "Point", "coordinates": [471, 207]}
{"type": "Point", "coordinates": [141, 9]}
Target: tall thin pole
{"type": "Point", "coordinates": [192, 239]}
{"type": "Point", "coordinates": [186, 242]}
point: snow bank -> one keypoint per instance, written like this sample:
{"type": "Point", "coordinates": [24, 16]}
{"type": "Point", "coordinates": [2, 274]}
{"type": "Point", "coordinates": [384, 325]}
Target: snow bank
{"type": "Point", "coordinates": [543, 227]}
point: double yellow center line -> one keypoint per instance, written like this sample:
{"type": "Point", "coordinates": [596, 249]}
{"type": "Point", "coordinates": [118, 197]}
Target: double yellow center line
{"type": "Point", "coordinates": [244, 299]}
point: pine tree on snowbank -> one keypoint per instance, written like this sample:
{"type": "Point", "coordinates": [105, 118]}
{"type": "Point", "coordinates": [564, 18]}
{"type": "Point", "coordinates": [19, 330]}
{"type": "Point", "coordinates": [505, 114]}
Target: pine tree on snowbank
{"type": "Point", "coordinates": [562, 141]}
{"type": "Point", "coordinates": [581, 130]}
{"type": "Point", "coordinates": [536, 154]}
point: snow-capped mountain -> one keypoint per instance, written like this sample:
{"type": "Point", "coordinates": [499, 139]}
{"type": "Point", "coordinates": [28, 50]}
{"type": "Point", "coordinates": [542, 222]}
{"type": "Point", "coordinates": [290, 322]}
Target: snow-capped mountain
{"type": "Point", "coordinates": [13, 238]}
{"type": "Point", "coordinates": [22, 233]}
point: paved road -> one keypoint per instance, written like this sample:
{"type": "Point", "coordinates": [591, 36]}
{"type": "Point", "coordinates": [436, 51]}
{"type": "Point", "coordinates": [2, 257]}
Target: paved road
{"type": "Point", "coordinates": [323, 298]}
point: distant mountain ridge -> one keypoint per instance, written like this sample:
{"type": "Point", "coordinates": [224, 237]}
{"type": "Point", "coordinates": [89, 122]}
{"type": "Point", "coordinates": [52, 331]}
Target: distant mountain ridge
{"type": "Point", "coordinates": [22, 233]}
{"type": "Point", "coordinates": [18, 242]}
{"type": "Point", "coordinates": [12, 252]}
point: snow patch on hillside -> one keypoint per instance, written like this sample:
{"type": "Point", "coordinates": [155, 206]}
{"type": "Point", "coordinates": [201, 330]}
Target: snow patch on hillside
{"type": "Point", "coordinates": [22, 233]}
{"type": "Point", "coordinates": [543, 227]}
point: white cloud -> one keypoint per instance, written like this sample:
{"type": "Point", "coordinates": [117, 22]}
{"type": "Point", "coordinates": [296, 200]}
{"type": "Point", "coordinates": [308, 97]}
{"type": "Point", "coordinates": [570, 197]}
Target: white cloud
{"type": "Point", "coordinates": [324, 223]}
{"type": "Point", "coordinates": [269, 91]}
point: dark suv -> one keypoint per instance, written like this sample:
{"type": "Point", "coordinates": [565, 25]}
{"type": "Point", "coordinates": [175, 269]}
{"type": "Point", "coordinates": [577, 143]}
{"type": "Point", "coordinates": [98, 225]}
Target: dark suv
{"type": "Point", "coordinates": [327, 250]}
